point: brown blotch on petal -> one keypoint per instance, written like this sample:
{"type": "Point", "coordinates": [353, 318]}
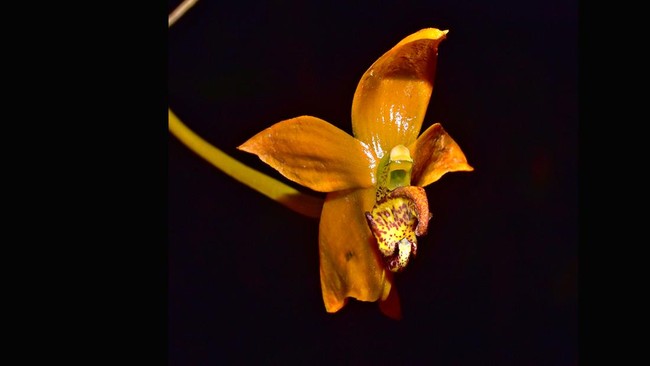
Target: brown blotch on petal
{"type": "Point", "coordinates": [349, 255]}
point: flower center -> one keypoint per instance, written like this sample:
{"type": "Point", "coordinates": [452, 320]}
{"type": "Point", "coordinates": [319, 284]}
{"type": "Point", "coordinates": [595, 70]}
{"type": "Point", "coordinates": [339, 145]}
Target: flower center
{"type": "Point", "coordinates": [401, 211]}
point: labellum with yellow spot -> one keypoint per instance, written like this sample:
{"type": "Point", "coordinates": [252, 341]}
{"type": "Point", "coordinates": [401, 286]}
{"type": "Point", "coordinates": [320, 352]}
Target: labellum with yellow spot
{"type": "Point", "coordinates": [401, 211]}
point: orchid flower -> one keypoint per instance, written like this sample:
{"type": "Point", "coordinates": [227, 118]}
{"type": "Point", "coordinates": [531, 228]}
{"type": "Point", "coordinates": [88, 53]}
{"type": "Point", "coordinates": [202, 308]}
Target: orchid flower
{"type": "Point", "coordinates": [375, 205]}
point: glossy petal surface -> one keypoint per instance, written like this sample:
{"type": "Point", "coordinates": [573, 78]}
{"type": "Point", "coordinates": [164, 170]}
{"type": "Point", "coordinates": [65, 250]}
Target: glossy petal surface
{"type": "Point", "coordinates": [315, 154]}
{"type": "Point", "coordinates": [392, 97]}
{"type": "Point", "coordinates": [434, 154]}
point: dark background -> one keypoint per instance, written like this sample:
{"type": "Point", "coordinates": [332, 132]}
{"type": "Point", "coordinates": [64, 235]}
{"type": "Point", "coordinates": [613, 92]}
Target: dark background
{"type": "Point", "coordinates": [495, 280]}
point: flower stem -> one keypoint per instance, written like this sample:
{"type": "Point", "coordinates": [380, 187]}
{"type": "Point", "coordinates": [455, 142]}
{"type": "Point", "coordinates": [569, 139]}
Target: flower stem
{"type": "Point", "coordinates": [300, 202]}
{"type": "Point", "coordinates": [288, 196]}
{"type": "Point", "coordinates": [180, 10]}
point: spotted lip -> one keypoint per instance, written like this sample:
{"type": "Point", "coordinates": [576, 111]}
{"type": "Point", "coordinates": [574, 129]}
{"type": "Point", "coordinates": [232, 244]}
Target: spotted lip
{"type": "Point", "coordinates": [396, 221]}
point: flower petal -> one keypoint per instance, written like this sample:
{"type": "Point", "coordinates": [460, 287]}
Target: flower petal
{"type": "Point", "coordinates": [315, 154]}
{"type": "Point", "coordinates": [350, 265]}
{"type": "Point", "coordinates": [392, 97]}
{"type": "Point", "coordinates": [391, 306]}
{"type": "Point", "coordinates": [434, 154]}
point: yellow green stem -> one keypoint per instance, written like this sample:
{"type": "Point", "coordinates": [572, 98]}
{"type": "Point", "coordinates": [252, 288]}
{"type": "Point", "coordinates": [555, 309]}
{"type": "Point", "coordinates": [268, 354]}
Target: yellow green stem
{"type": "Point", "coordinates": [300, 202]}
{"type": "Point", "coordinates": [288, 196]}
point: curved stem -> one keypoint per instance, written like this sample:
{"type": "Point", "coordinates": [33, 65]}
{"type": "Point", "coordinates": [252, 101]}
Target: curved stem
{"type": "Point", "coordinates": [180, 10]}
{"type": "Point", "coordinates": [302, 203]}
{"type": "Point", "coordinates": [288, 196]}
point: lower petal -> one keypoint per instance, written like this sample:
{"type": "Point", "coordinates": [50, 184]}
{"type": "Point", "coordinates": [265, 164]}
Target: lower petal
{"type": "Point", "coordinates": [391, 306]}
{"type": "Point", "coordinates": [350, 264]}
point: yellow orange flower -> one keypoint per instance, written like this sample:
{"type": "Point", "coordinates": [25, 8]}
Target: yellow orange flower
{"type": "Point", "coordinates": [388, 110]}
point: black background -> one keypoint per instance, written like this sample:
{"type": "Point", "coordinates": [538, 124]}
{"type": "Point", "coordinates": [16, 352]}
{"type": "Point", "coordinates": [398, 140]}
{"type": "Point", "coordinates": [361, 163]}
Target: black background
{"type": "Point", "coordinates": [495, 280]}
